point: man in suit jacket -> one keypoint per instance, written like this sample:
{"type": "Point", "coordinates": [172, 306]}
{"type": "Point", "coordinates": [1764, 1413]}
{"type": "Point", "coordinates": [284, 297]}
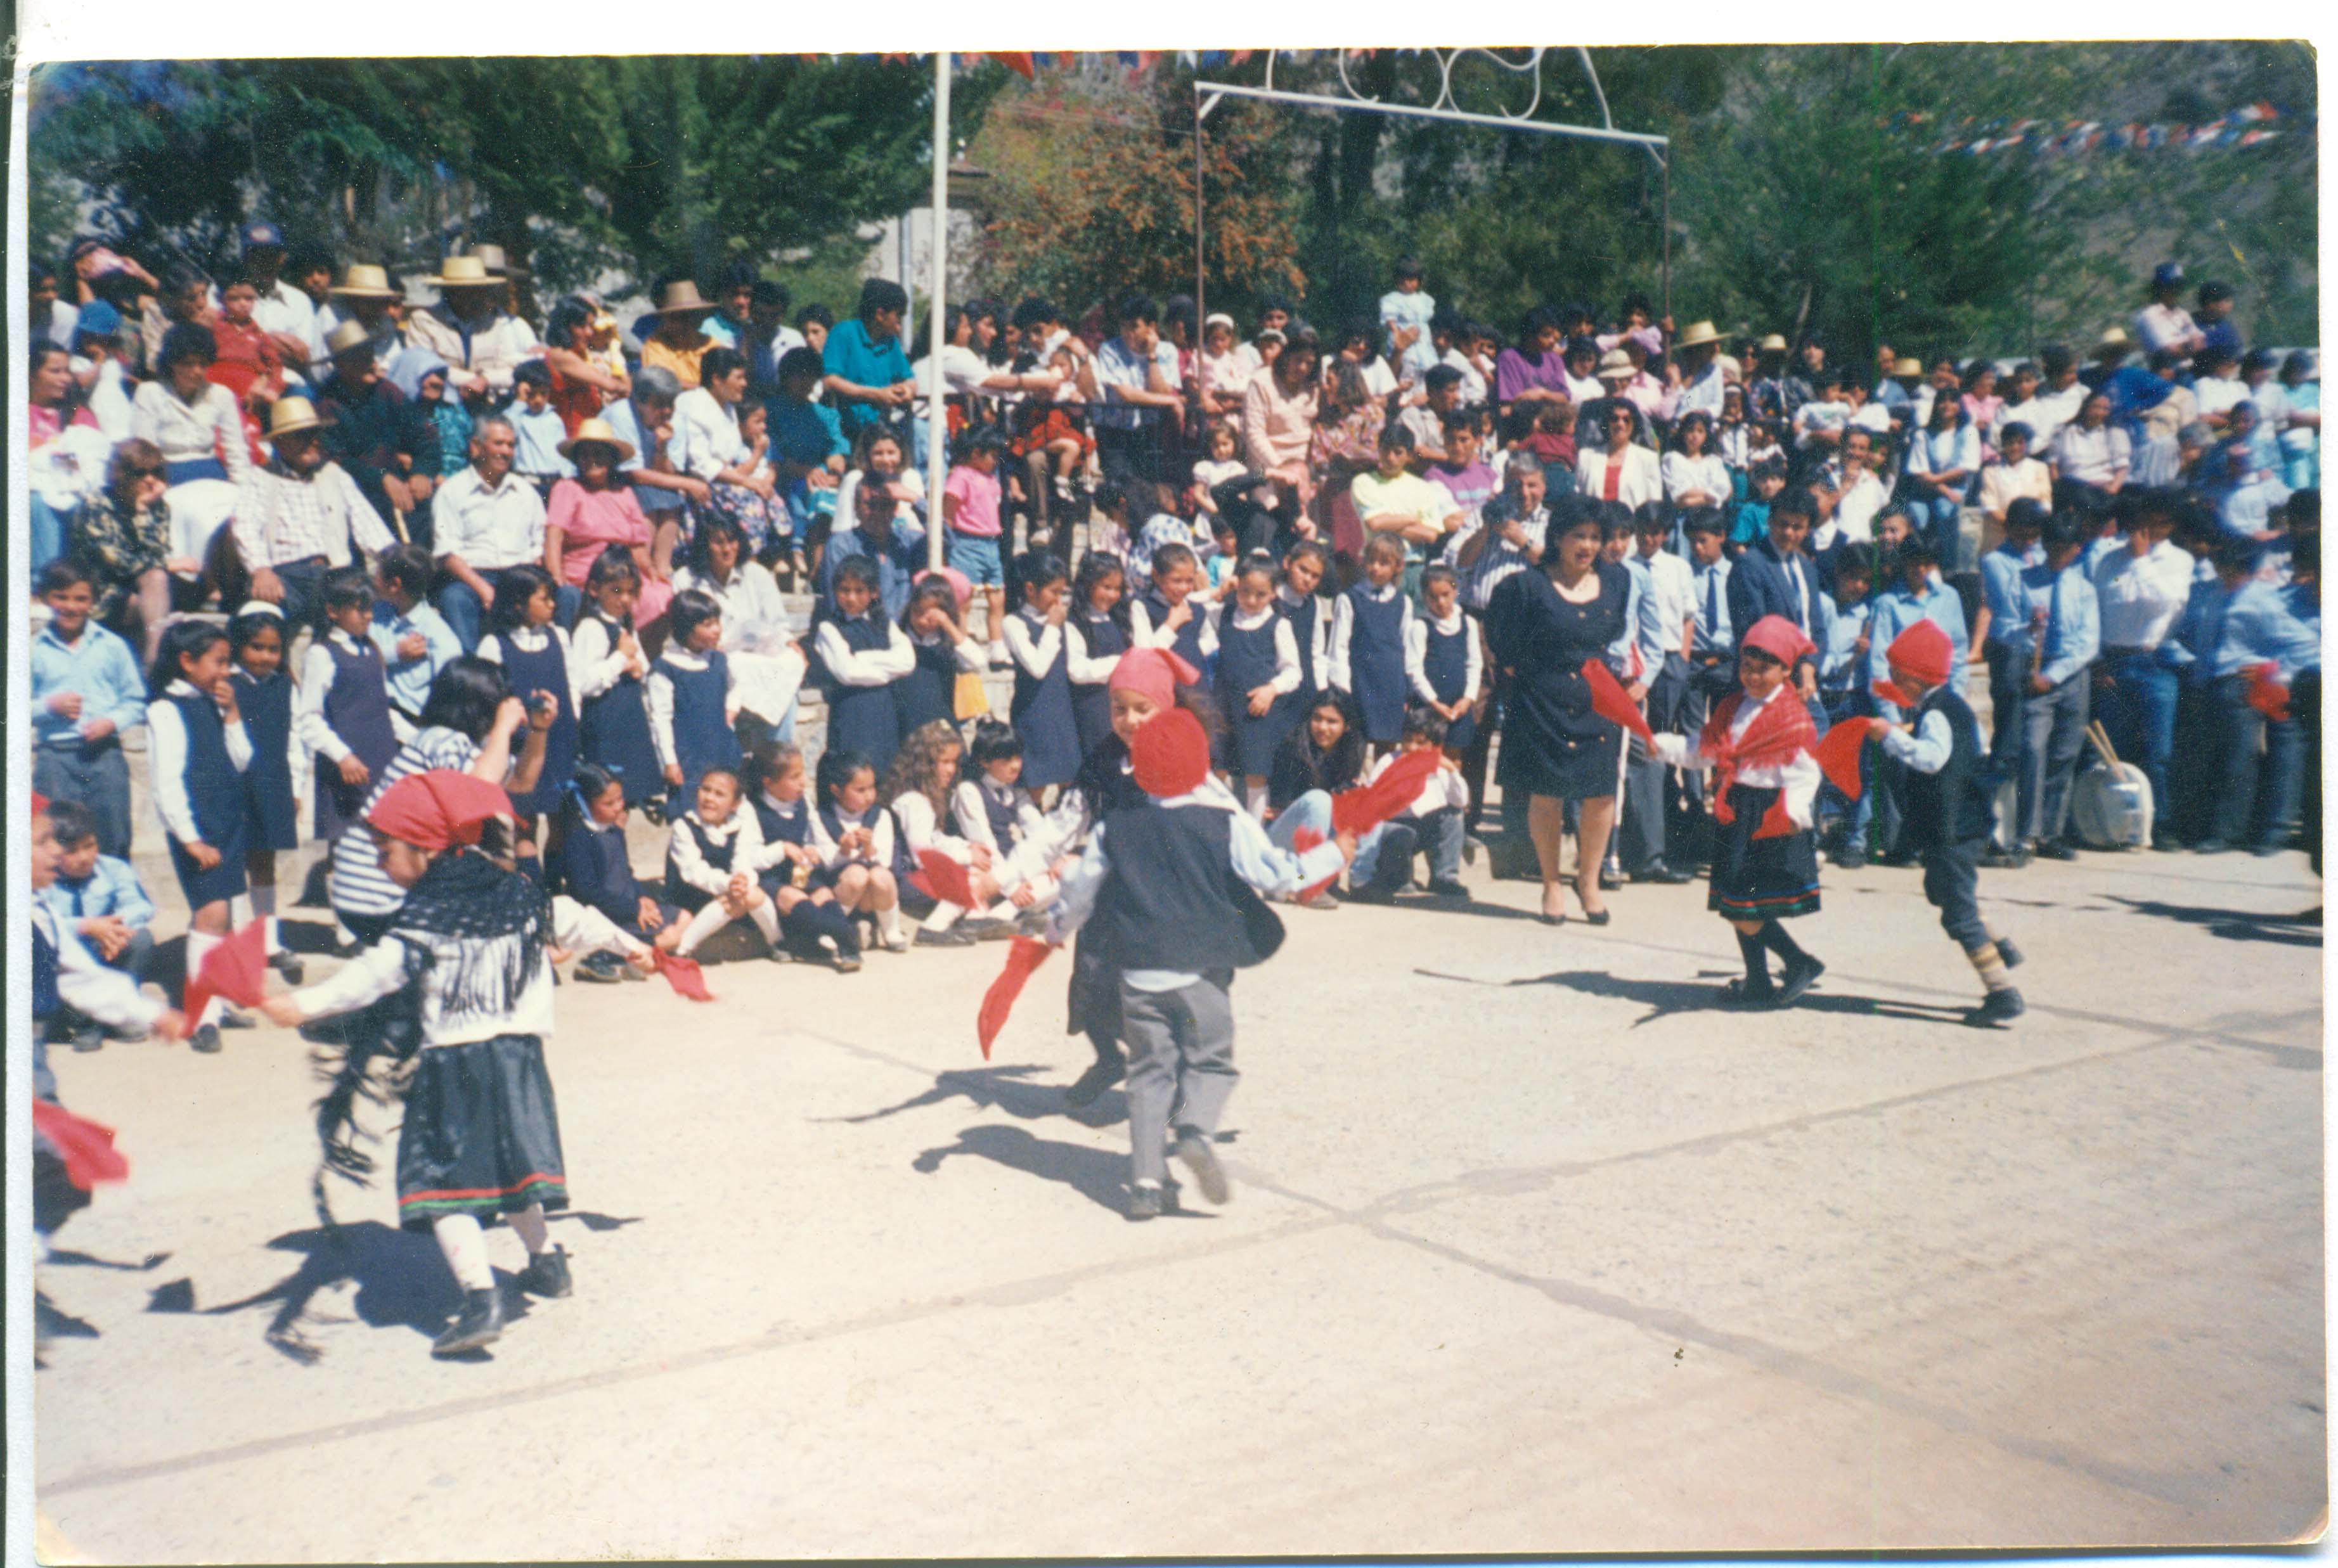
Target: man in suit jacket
{"type": "Point", "coordinates": [1774, 577]}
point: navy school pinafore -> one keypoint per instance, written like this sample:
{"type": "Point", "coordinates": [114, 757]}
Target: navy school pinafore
{"type": "Point", "coordinates": [272, 817]}
{"type": "Point", "coordinates": [614, 729]}
{"type": "Point", "coordinates": [1042, 715]}
{"type": "Point", "coordinates": [1375, 662]}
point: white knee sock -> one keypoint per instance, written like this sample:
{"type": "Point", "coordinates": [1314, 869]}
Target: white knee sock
{"type": "Point", "coordinates": [710, 918]}
{"type": "Point", "coordinates": [199, 946]}
{"type": "Point", "coordinates": [944, 917]}
{"type": "Point", "coordinates": [767, 920]}
{"type": "Point", "coordinates": [889, 923]}
{"type": "Point", "coordinates": [1254, 800]}
{"type": "Point", "coordinates": [466, 1247]}
{"type": "Point", "coordinates": [528, 1226]}
{"type": "Point", "coordinates": [263, 899]}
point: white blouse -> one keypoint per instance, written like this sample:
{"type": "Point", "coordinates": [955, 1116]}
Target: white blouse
{"type": "Point", "coordinates": [877, 667]}
{"type": "Point", "coordinates": [657, 696]}
{"type": "Point", "coordinates": [1416, 655]}
{"type": "Point", "coordinates": [211, 426]}
{"type": "Point", "coordinates": [747, 855]}
{"type": "Point", "coordinates": [1286, 643]}
{"type": "Point", "coordinates": [1800, 778]}
{"type": "Point", "coordinates": [166, 740]}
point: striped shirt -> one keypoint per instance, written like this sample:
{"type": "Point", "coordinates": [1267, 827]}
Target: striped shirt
{"type": "Point", "coordinates": [358, 885]}
{"type": "Point", "coordinates": [282, 517]}
{"type": "Point", "coordinates": [1499, 558]}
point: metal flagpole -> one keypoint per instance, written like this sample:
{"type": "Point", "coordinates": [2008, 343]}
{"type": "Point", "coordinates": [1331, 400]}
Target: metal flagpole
{"type": "Point", "coordinates": [936, 417]}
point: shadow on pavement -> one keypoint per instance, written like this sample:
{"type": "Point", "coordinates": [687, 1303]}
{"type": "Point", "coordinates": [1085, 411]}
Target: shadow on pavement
{"type": "Point", "coordinates": [1006, 1089]}
{"type": "Point", "coordinates": [2234, 925]}
{"type": "Point", "coordinates": [1096, 1175]}
{"type": "Point", "coordinates": [66, 1258]}
{"type": "Point", "coordinates": [1664, 998]}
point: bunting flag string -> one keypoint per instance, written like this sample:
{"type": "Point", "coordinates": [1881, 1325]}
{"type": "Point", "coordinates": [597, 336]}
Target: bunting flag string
{"type": "Point", "coordinates": [2250, 125]}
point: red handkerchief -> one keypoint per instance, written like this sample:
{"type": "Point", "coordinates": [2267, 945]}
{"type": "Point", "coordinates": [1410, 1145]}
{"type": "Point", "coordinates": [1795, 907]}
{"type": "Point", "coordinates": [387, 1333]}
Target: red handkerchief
{"type": "Point", "coordinates": [684, 976]}
{"type": "Point", "coordinates": [1613, 703]}
{"type": "Point", "coordinates": [1838, 755]}
{"type": "Point", "coordinates": [1024, 954]}
{"type": "Point", "coordinates": [237, 969]}
{"type": "Point", "coordinates": [1366, 807]}
{"type": "Point", "coordinates": [87, 1148]}
{"type": "Point", "coordinates": [945, 879]}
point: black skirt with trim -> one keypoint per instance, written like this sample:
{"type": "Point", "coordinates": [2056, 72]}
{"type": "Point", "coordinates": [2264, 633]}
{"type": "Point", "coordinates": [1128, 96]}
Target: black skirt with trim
{"type": "Point", "coordinates": [1761, 878]}
{"type": "Point", "coordinates": [482, 1135]}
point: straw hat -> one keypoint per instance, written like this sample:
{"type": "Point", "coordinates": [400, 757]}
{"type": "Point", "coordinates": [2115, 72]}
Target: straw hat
{"type": "Point", "coordinates": [492, 258]}
{"type": "Point", "coordinates": [348, 335]}
{"type": "Point", "coordinates": [1775, 343]}
{"type": "Point", "coordinates": [290, 416]}
{"type": "Point", "coordinates": [1617, 363]}
{"type": "Point", "coordinates": [1699, 332]}
{"type": "Point", "coordinates": [2115, 338]}
{"type": "Point", "coordinates": [595, 431]}
{"type": "Point", "coordinates": [464, 272]}
{"type": "Point", "coordinates": [683, 299]}
{"type": "Point", "coordinates": [1908, 366]}
{"type": "Point", "coordinates": [363, 282]}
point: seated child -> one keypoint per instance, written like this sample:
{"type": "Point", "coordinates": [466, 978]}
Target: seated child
{"type": "Point", "coordinates": [1431, 825]}
{"type": "Point", "coordinates": [800, 887]}
{"type": "Point", "coordinates": [540, 428]}
{"type": "Point", "coordinates": [99, 899]}
{"type": "Point", "coordinates": [990, 808]}
{"type": "Point", "coordinates": [713, 866]}
{"type": "Point", "coordinates": [594, 868]}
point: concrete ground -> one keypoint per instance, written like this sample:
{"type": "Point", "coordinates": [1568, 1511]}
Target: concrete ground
{"type": "Point", "coordinates": [1532, 1249]}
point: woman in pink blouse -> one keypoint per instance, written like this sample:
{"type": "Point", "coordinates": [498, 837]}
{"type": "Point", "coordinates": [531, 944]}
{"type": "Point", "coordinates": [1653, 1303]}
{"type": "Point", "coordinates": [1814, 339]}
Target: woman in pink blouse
{"type": "Point", "coordinates": [594, 512]}
{"type": "Point", "coordinates": [1278, 420]}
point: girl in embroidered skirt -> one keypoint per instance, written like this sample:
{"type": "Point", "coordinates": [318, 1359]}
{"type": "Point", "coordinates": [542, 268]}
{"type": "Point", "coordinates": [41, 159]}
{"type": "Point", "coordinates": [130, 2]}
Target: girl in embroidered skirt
{"type": "Point", "coordinates": [481, 1134]}
{"type": "Point", "coordinates": [1765, 867]}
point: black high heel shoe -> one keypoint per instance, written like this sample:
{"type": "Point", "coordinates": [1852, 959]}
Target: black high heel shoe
{"type": "Point", "coordinates": [1592, 917]}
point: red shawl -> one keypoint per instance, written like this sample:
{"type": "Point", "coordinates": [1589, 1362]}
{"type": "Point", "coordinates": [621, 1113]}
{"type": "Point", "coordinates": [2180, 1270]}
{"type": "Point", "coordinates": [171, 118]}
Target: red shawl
{"type": "Point", "coordinates": [1777, 734]}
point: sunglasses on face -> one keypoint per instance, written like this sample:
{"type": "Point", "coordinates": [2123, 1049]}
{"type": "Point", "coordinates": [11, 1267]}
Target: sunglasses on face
{"type": "Point", "coordinates": [148, 473]}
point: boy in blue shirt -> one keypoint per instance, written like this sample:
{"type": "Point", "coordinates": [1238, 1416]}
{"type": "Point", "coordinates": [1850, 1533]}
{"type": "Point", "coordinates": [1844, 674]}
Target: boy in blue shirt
{"type": "Point", "coordinates": [1917, 593]}
{"type": "Point", "coordinates": [2259, 624]}
{"type": "Point", "coordinates": [1754, 516]}
{"type": "Point", "coordinates": [98, 899]}
{"type": "Point", "coordinates": [2004, 635]}
{"type": "Point", "coordinates": [86, 691]}
{"type": "Point", "coordinates": [540, 428]}
{"type": "Point", "coordinates": [2065, 619]}
{"type": "Point", "coordinates": [415, 639]}
{"type": "Point", "coordinates": [1846, 614]}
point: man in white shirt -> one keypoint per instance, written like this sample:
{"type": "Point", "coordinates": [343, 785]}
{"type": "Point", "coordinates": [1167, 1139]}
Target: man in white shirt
{"type": "Point", "coordinates": [2140, 589]}
{"type": "Point", "coordinates": [300, 516]}
{"type": "Point", "coordinates": [469, 329]}
{"type": "Point", "coordinates": [484, 520]}
{"type": "Point", "coordinates": [1855, 494]}
{"type": "Point", "coordinates": [2164, 323]}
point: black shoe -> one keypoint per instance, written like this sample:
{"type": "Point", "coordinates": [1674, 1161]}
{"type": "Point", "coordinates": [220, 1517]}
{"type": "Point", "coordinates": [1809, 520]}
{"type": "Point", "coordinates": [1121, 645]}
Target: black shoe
{"type": "Point", "coordinates": [236, 1018]}
{"type": "Point", "coordinates": [91, 1038]}
{"type": "Point", "coordinates": [1032, 922]}
{"type": "Point", "coordinates": [2212, 847]}
{"type": "Point", "coordinates": [601, 969]}
{"type": "Point", "coordinates": [480, 1322]}
{"type": "Point", "coordinates": [1145, 1203]}
{"type": "Point", "coordinates": [987, 928]}
{"type": "Point", "coordinates": [1997, 1007]}
{"type": "Point", "coordinates": [2266, 851]}
{"type": "Point", "coordinates": [207, 1040]}
{"type": "Point", "coordinates": [1853, 860]}
{"type": "Point", "coordinates": [2165, 842]}
{"type": "Point", "coordinates": [952, 937]}
{"type": "Point", "coordinates": [1664, 876]}
{"type": "Point", "coordinates": [2053, 849]}
{"type": "Point", "coordinates": [1897, 862]}
{"type": "Point", "coordinates": [1797, 979]}
{"type": "Point", "coordinates": [1610, 881]}
{"type": "Point", "coordinates": [1446, 887]}
{"type": "Point", "coordinates": [546, 1274]}
{"type": "Point", "coordinates": [2008, 952]}
{"type": "Point", "coordinates": [1744, 993]}
{"type": "Point", "coordinates": [287, 964]}
{"type": "Point", "coordinates": [1370, 893]}
{"type": "Point", "coordinates": [1090, 1084]}
{"type": "Point", "coordinates": [1997, 859]}
{"type": "Point", "coordinates": [1201, 1160]}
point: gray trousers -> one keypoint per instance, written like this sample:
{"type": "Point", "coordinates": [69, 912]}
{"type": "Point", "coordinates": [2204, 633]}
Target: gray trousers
{"type": "Point", "coordinates": [97, 777]}
{"type": "Point", "coordinates": [2054, 726]}
{"type": "Point", "coordinates": [1181, 1048]}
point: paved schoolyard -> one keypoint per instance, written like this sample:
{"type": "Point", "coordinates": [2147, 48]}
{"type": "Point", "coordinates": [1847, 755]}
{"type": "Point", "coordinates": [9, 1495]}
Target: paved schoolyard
{"type": "Point", "coordinates": [1532, 1249]}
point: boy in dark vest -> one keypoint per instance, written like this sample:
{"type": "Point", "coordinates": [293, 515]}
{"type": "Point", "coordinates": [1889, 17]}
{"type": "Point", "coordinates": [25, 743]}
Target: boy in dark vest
{"type": "Point", "coordinates": [1945, 809]}
{"type": "Point", "coordinates": [1170, 886]}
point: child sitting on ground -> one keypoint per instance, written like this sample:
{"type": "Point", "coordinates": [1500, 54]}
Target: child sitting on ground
{"type": "Point", "coordinates": [991, 809]}
{"type": "Point", "coordinates": [99, 899]}
{"type": "Point", "coordinates": [1430, 825]}
{"type": "Point", "coordinates": [592, 866]}
{"type": "Point", "coordinates": [800, 887]}
{"type": "Point", "coordinates": [917, 790]}
{"type": "Point", "coordinates": [712, 864]}
{"type": "Point", "coordinates": [855, 839]}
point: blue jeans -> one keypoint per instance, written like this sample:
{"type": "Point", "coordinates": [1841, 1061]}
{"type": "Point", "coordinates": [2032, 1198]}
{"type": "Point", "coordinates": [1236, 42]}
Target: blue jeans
{"type": "Point", "coordinates": [48, 533]}
{"type": "Point", "coordinates": [2259, 804]}
{"type": "Point", "coordinates": [1313, 809]}
{"type": "Point", "coordinates": [464, 614]}
{"type": "Point", "coordinates": [1934, 519]}
{"type": "Point", "coordinates": [1389, 860]}
{"type": "Point", "coordinates": [2141, 718]}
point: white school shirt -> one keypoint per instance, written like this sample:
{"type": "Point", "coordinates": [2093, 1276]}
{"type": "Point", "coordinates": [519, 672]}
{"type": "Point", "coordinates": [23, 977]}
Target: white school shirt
{"type": "Point", "coordinates": [878, 667]}
{"type": "Point", "coordinates": [1799, 779]}
{"type": "Point", "coordinates": [1142, 633]}
{"type": "Point", "coordinates": [922, 829]}
{"type": "Point", "coordinates": [533, 640]}
{"type": "Point", "coordinates": [1416, 655]}
{"type": "Point", "coordinates": [1317, 654]}
{"type": "Point", "coordinates": [969, 804]}
{"type": "Point", "coordinates": [1673, 582]}
{"type": "Point", "coordinates": [1086, 668]}
{"type": "Point", "coordinates": [657, 697]}
{"type": "Point", "coordinates": [595, 664]}
{"type": "Point", "coordinates": [1033, 649]}
{"type": "Point", "coordinates": [460, 1018]}
{"type": "Point", "coordinates": [1343, 627]}
{"type": "Point", "coordinates": [1444, 789]}
{"type": "Point", "coordinates": [1286, 643]}
{"type": "Point", "coordinates": [1708, 473]}
{"type": "Point", "coordinates": [1473, 381]}
{"type": "Point", "coordinates": [973, 658]}
{"type": "Point", "coordinates": [87, 985]}
{"type": "Point", "coordinates": [2137, 598]}
{"type": "Point", "coordinates": [880, 847]}
{"type": "Point", "coordinates": [166, 743]}
{"type": "Point", "coordinates": [690, 863]}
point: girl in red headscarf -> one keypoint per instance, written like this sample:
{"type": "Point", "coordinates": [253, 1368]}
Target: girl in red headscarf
{"type": "Point", "coordinates": [481, 1135]}
{"type": "Point", "coordinates": [1765, 867]}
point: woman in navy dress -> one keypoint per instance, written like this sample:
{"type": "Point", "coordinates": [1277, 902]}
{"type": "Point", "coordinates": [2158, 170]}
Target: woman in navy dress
{"type": "Point", "coordinates": [1544, 626]}
{"type": "Point", "coordinates": [534, 652]}
{"type": "Point", "coordinates": [1095, 635]}
{"type": "Point", "coordinates": [612, 717]}
{"type": "Point", "coordinates": [1042, 711]}
{"type": "Point", "coordinates": [863, 654]}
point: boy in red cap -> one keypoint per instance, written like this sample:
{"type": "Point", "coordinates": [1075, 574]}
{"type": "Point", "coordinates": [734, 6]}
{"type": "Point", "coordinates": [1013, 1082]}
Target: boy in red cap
{"type": "Point", "coordinates": [1168, 889]}
{"type": "Point", "coordinates": [1765, 864]}
{"type": "Point", "coordinates": [1946, 810]}
{"type": "Point", "coordinates": [481, 1135]}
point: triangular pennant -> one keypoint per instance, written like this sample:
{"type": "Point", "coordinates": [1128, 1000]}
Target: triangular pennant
{"type": "Point", "coordinates": [1613, 703]}
{"type": "Point", "coordinates": [1365, 807]}
{"type": "Point", "coordinates": [1838, 755]}
{"type": "Point", "coordinates": [944, 879]}
{"type": "Point", "coordinates": [235, 968]}
{"type": "Point", "coordinates": [85, 1147]}
{"type": "Point", "coordinates": [1024, 954]}
{"type": "Point", "coordinates": [683, 976]}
